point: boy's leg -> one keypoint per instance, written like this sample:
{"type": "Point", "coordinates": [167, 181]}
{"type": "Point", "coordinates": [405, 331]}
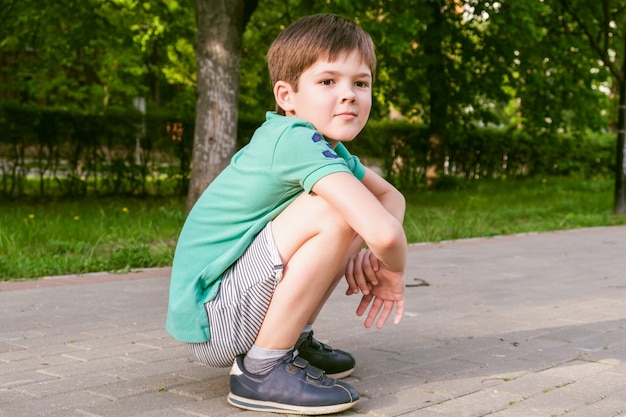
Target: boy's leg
{"type": "Point", "coordinates": [337, 363]}
{"type": "Point", "coordinates": [355, 246]}
{"type": "Point", "coordinates": [313, 241]}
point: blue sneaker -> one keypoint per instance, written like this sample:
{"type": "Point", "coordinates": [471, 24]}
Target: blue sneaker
{"type": "Point", "coordinates": [293, 387]}
{"type": "Point", "coordinates": [336, 363]}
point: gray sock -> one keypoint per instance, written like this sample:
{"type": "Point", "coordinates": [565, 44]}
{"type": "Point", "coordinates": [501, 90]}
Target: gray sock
{"type": "Point", "coordinates": [260, 361]}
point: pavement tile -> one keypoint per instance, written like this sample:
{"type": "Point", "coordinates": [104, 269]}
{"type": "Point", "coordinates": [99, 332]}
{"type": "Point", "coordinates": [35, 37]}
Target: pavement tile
{"type": "Point", "coordinates": [399, 403]}
{"type": "Point", "coordinates": [527, 325]}
{"type": "Point", "coordinates": [9, 347]}
{"type": "Point", "coordinates": [122, 388]}
{"type": "Point", "coordinates": [38, 364]}
{"type": "Point", "coordinates": [40, 351]}
{"type": "Point", "coordinates": [561, 398]}
{"type": "Point", "coordinates": [480, 403]}
{"type": "Point", "coordinates": [530, 384]}
{"type": "Point", "coordinates": [144, 403]}
{"type": "Point", "coordinates": [606, 384]}
{"type": "Point", "coordinates": [10, 396]}
{"type": "Point", "coordinates": [382, 384]}
{"type": "Point", "coordinates": [57, 386]}
{"type": "Point", "coordinates": [19, 378]}
{"type": "Point", "coordinates": [168, 412]}
{"type": "Point", "coordinates": [128, 349]}
{"type": "Point", "coordinates": [154, 354]}
{"type": "Point", "coordinates": [138, 369]}
{"type": "Point", "coordinates": [606, 407]}
{"type": "Point", "coordinates": [555, 355]}
{"type": "Point", "coordinates": [64, 404]}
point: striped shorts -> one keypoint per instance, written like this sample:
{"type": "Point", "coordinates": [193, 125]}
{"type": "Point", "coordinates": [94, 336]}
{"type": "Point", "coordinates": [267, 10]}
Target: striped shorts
{"type": "Point", "coordinates": [236, 314]}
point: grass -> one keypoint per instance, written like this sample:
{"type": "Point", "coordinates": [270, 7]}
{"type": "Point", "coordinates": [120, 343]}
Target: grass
{"type": "Point", "coordinates": [507, 207]}
{"type": "Point", "coordinates": [118, 234]}
{"type": "Point", "coordinates": [88, 234]}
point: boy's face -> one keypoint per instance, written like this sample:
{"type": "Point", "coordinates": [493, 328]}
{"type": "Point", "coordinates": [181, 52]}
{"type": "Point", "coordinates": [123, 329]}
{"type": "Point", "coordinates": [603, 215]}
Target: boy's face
{"type": "Point", "coordinates": [336, 97]}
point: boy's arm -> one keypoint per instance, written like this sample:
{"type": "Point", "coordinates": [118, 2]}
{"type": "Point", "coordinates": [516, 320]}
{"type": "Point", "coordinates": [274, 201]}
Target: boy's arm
{"type": "Point", "coordinates": [387, 194]}
{"type": "Point", "coordinates": [381, 230]}
{"type": "Point", "coordinates": [360, 274]}
{"type": "Point", "coordinates": [374, 209]}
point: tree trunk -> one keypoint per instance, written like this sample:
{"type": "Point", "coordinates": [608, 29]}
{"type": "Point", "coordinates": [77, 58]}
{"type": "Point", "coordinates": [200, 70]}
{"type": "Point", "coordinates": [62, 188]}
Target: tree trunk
{"type": "Point", "coordinates": [438, 92]}
{"type": "Point", "coordinates": [219, 33]}
{"type": "Point", "coordinates": [619, 205]}
{"type": "Point", "coordinates": [620, 161]}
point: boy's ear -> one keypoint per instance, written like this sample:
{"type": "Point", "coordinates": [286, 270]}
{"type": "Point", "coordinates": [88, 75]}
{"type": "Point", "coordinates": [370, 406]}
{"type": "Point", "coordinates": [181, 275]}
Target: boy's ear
{"type": "Point", "coordinates": [282, 94]}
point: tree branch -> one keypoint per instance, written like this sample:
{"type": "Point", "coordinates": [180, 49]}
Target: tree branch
{"type": "Point", "coordinates": [601, 50]}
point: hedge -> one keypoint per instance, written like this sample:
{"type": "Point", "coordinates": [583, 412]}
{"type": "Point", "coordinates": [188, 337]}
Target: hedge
{"type": "Point", "coordinates": [68, 153]}
{"type": "Point", "coordinates": [46, 151]}
{"type": "Point", "coordinates": [401, 150]}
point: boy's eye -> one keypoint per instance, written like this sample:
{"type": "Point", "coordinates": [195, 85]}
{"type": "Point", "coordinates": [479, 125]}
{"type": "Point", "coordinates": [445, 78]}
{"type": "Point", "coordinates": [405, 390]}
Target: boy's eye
{"type": "Point", "coordinates": [361, 84]}
{"type": "Point", "coordinates": [327, 82]}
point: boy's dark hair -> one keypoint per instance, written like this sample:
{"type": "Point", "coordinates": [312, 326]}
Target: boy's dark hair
{"type": "Point", "coordinates": [320, 36]}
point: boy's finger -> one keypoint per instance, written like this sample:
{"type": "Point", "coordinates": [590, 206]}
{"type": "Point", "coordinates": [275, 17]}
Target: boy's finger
{"type": "Point", "coordinates": [373, 267]}
{"type": "Point", "coordinates": [365, 301]}
{"type": "Point", "coordinates": [369, 271]}
{"type": "Point", "coordinates": [374, 310]}
{"type": "Point", "coordinates": [352, 288]}
{"type": "Point", "coordinates": [360, 273]}
{"type": "Point", "coordinates": [399, 312]}
{"type": "Point", "coordinates": [374, 262]}
{"type": "Point", "coordinates": [384, 315]}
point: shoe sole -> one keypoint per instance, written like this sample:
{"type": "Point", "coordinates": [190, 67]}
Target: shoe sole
{"type": "Point", "coordinates": [272, 407]}
{"type": "Point", "coordinates": [340, 375]}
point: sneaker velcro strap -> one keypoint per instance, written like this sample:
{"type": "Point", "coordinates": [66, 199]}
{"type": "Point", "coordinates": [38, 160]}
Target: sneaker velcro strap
{"type": "Point", "coordinates": [317, 345]}
{"type": "Point", "coordinates": [300, 362]}
{"type": "Point", "coordinates": [314, 373]}
{"type": "Point", "coordinates": [326, 347]}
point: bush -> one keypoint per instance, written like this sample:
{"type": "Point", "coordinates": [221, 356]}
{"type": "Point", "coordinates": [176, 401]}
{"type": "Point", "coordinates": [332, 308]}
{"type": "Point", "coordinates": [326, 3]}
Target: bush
{"type": "Point", "coordinates": [70, 153]}
{"type": "Point", "coordinates": [48, 151]}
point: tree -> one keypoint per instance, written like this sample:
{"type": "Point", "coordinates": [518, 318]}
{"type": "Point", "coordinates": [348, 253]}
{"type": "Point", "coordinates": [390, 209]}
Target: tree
{"type": "Point", "coordinates": [93, 54]}
{"type": "Point", "coordinates": [436, 68]}
{"type": "Point", "coordinates": [602, 25]}
{"type": "Point", "coordinates": [220, 26]}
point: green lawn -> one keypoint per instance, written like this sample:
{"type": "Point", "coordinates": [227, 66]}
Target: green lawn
{"type": "Point", "coordinates": [86, 235]}
{"type": "Point", "coordinates": [118, 234]}
{"type": "Point", "coordinates": [507, 207]}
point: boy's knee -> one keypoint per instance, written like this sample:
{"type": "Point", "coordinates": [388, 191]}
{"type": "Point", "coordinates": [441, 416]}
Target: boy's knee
{"type": "Point", "coordinates": [335, 227]}
{"type": "Point", "coordinates": [310, 217]}
{"type": "Point", "coordinates": [330, 220]}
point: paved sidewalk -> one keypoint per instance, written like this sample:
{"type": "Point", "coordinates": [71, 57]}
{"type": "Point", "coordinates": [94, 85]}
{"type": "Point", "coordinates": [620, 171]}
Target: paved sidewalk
{"type": "Point", "coordinates": [529, 326]}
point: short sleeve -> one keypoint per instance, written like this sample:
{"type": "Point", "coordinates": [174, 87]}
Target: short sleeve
{"type": "Point", "coordinates": [302, 155]}
{"type": "Point", "coordinates": [354, 163]}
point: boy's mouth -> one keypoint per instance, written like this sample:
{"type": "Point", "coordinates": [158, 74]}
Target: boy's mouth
{"type": "Point", "coordinates": [347, 114]}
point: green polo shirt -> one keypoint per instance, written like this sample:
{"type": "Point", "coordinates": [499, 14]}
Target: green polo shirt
{"type": "Point", "coordinates": [285, 157]}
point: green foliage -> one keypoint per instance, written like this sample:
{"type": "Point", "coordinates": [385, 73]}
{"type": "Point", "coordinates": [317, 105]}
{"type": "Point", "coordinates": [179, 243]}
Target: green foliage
{"type": "Point", "coordinates": [488, 62]}
{"type": "Point", "coordinates": [553, 73]}
{"type": "Point", "coordinates": [460, 63]}
{"type": "Point", "coordinates": [45, 151]}
{"type": "Point", "coordinates": [400, 150]}
{"type": "Point", "coordinates": [93, 54]}
{"type": "Point", "coordinates": [538, 73]}
{"type": "Point", "coordinates": [74, 153]}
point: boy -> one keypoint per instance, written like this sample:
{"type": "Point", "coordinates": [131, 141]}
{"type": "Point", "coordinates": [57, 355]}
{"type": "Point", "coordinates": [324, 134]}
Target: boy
{"type": "Point", "coordinates": [270, 238]}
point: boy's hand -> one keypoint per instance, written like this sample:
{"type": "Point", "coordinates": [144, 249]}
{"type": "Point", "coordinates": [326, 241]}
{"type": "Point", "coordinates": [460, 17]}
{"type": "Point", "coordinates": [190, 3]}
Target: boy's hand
{"type": "Point", "coordinates": [361, 272]}
{"type": "Point", "coordinates": [389, 291]}
{"type": "Point", "coordinates": [381, 288]}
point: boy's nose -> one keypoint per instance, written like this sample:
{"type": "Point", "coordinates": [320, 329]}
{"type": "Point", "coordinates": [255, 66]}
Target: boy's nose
{"type": "Point", "coordinates": [348, 94]}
